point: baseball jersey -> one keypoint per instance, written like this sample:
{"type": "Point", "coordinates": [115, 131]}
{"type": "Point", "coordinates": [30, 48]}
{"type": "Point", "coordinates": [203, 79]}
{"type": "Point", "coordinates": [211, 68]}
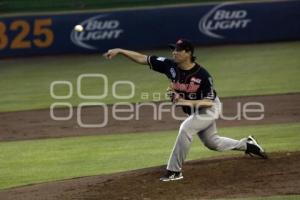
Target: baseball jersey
{"type": "Point", "coordinates": [193, 84]}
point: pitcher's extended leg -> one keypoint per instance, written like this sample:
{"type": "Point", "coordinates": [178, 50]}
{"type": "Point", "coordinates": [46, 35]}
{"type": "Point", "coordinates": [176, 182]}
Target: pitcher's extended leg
{"type": "Point", "coordinates": [188, 128]}
{"type": "Point", "coordinates": [213, 141]}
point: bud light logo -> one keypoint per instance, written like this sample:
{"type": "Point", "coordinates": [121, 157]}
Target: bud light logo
{"type": "Point", "coordinates": [96, 28]}
{"type": "Point", "coordinates": [219, 19]}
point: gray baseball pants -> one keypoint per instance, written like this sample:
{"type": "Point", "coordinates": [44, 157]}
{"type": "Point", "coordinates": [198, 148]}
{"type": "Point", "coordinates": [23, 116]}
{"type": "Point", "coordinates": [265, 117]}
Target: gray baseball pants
{"type": "Point", "coordinates": [204, 125]}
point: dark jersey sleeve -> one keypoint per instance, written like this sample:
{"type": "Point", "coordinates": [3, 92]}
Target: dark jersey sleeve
{"type": "Point", "coordinates": [207, 88]}
{"type": "Point", "coordinates": [159, 64]}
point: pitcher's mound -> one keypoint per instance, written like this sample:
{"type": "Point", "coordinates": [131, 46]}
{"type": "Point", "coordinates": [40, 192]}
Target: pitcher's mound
{"type": "Point", "coordinates": [204, 179]}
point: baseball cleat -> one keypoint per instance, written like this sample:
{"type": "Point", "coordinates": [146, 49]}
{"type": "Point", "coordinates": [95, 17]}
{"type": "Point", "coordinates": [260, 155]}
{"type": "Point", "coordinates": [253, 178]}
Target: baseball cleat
{"type": "Point", "coordinates": [254, 149]}
{"type": "Point", "coordinates": [171, 176]}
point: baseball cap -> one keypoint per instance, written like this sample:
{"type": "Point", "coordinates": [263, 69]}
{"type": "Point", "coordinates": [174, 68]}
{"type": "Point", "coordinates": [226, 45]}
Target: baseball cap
{"type": "Point", "coordinates": [182, 44]}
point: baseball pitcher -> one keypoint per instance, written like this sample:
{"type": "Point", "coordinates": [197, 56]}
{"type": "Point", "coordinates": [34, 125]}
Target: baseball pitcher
{"type": "Point", "coordinates": [192, 88]}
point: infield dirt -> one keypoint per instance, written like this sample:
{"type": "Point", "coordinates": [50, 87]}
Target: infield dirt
{"type": "Point", "coordinates": [37, 124]}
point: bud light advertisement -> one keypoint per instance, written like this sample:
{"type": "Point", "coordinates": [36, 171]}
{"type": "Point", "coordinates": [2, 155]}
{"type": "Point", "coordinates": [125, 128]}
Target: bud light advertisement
{"type": "Point", "coordinates": [148, 28]}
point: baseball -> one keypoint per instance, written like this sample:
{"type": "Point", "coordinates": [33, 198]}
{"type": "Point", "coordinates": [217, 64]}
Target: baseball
{"type": "Point", "coordinates": [78, 28]}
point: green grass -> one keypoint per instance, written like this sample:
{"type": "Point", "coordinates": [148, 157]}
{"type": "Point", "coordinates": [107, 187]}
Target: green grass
{"type": "Point", "coordinates": [254, 69]}
{"type": "Point", "coordinates": [237, 70]}
{"type": "Point", "coordinates": [26, 162]}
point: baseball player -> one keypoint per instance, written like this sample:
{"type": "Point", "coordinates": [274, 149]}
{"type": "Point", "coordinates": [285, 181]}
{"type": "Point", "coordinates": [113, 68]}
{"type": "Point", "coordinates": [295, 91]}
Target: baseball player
{"type": "Point", "coordinates": [192, 88]}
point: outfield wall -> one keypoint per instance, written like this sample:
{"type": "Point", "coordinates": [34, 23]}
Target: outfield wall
{"type": "Point", "coordinates": [149, 28]}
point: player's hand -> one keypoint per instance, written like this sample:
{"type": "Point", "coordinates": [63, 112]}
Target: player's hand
{"type": "Point", "coordinates": [176, 97]}
{"type": "Point", "coordinates": [173, 95]}
{"type": "Point", "coordinates": [111, 53]}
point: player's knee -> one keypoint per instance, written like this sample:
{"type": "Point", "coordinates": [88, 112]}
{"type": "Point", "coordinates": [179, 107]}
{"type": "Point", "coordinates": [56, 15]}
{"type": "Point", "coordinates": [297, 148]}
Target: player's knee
{"type": "Point", "coordinates": [183, 134]}
{"type": "Point", "coordinates": [187, 128]}
{"type": "Point", "coordinates": [213, 144]}
{"type": "Point", "coordinates": [186, 132]}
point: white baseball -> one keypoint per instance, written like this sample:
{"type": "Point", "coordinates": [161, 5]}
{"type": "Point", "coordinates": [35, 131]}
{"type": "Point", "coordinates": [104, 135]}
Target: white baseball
{"type": "Point", "coordinates": [78, 28]}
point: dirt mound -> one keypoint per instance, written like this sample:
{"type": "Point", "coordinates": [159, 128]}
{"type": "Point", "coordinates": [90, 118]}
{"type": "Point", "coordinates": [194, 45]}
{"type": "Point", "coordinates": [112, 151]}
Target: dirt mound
{"type": "Point", "coordinates": [35, 124]}
{"type": "Point", "coordinates": [203, 179]}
